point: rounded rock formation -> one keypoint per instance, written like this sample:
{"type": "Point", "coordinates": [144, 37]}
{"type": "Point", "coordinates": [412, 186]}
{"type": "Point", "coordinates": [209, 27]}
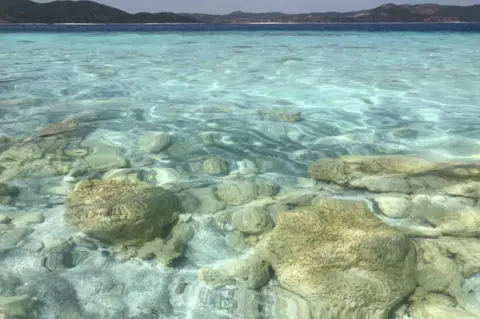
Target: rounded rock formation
{"type": "Point", "coordinates": [120, 211]}
{"type": "Point", "coordinates": [342, 259]}
{"type": "Point", "coordinates": [252, 220]}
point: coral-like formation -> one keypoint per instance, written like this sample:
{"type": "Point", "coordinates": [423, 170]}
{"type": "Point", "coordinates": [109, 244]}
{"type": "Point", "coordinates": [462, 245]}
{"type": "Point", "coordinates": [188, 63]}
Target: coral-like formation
{"type": "Point", "coordinates": [121, 211]}
{"type": "Point", "coordinates": [342, 259]}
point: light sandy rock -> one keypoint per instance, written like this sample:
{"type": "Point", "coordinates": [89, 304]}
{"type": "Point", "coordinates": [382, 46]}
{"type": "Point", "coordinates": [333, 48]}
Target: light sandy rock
{"type": "Point", "coordinates": [297, 198]}
{"type": "Point", "coordinates": [281, 116]}
{"type": "Point", "coordinates": [250, 270]}
{"type": "Point", "coordinates": [266, 189]}
{"type": "Point", "coordinates": [65, 128]}
{"type": "Point", "coordinates": [124, 174]}
{"type": "Point", "coordinates": [67, 253]}
{"type": "Point", "coordinates": [469, 189]}
{"type": "Point", "coordinates": [441, 274]}
{"type": "Point", "coordinates": [167, 176]}
{"type": "Point", "coordinates": [452, 216]}
{"type": "Point", "coordinates": [276, 209]}
{"type": "Point", "coordinates": [29, 218]}
{"type": "Point", "coordinates": [434, 311]}
{"type": "Point", "coordinates": [5, 219]}
{"type": "Point", "coordinates": [287, 305]}
{"type": "Point", "coordinates": [236, 241]}
{"type": "Point", "coordinates": [215, 166]}
{"type": "Point", "coordinates": [306, 182]}
{"type": "Point", "coordinates": [247, 167]}
{"type": "Point", "coordinates": [37, 158]}
{"type": "Point", "coordinates": [237, 192]}
{"type": "Point", "coordinates": [104, 157]}
{"type": "Point", "coordinates": [464, 251]}
{"type": "Point", "coordinates": [166, 251]}
{"type": "Point", "coordinates": [211, 138]}
{"type": "Point", "coordinates": [120, 211]}
{"type": "Point", "coordinates": [154, 142]}
{"type": "Point", "coordinates": [397, 207]}
{"type": "Point", "coordinates": [252, 220]}
{"type": "Point", "coordinates": [395, 173]}
{"type": "Point", "coordinates": [9, 238]}
{"type": "Point", "coordinates": [208, 202]}
{"type": "Point", "coordinates": [16, 307]}
{"type": "Point", "coordinates": [342, 259]}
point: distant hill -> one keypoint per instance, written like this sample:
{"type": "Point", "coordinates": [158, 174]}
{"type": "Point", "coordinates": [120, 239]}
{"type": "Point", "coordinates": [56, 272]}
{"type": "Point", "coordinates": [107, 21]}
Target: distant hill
{"type": "Point", "coordinates": [26, 11]}
{"type": "Point", "coordinates": [384, 13]}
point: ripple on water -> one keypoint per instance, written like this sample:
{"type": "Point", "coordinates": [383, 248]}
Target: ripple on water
{"type": "Point", "coordinates": [357, 94]}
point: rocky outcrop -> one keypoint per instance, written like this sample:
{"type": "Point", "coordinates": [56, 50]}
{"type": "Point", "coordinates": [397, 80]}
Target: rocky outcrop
{"type": "Point", "coordinates": [117, 212]}
{"type": "Point", "coordinates": [342, 259]}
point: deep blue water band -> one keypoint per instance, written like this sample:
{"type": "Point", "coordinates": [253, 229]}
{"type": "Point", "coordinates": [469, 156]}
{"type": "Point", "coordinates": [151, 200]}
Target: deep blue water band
{"type": "Point", "coordinates": [367, 27]}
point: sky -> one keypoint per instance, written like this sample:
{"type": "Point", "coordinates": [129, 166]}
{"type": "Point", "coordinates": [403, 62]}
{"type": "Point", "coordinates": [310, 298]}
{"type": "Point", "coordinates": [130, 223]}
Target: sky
{"type": "Point", "coordinates": [287, 6]}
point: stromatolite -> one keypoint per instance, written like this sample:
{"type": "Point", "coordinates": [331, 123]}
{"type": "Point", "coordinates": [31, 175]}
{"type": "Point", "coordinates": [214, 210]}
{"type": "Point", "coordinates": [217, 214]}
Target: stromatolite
{"type": "Point", "coordinates": [342, 259]}
{"type": "Point", "coordinates": [117, 211]}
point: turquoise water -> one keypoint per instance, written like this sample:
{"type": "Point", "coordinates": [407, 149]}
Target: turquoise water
{"type": "Point", "coordinates": [354, 89]}
{"type": "Point", "coordinates": [357, 93]}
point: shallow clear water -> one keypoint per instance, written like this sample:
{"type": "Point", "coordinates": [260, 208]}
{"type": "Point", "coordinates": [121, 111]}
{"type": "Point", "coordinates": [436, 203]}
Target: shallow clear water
{"type": "Point", "coordinates": [358, 93]}
{"type": "Point", "coordinates": [355, 90]}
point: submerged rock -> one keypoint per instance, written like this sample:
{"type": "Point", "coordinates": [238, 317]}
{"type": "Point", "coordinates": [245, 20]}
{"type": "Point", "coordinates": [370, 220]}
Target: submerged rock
{"type": "Point", "coordinates": [237, 192]}
{"type": "Point", "coordinates": [10, 237]}
{"type": "Point", "coordinates": [435, 311]}
{"type": "Point", "coordinates": [250, 270]}
{"type": "Point", "coordinates": [8, 190]}
{"type": "Point", "coordinates": [36, 158]}
{"type": "Point", "coordinates": [206, 202]}
{"type": "Point", "coordinates": [104, 157]}
{"type": "Point", "coordinates": [165, 251]}
{"type": "Point", "coordinates": [396, 207]}
{"type": "Point", "coordinates": [16, 307]}
{"type": "Point", "coordinates": [342, 259]}
{"type": "Point", "coordinates": [68, 254]}
{"type": "Point", "coordinates": [64, 128]}
{"type": "Point", "coordinates": [215, 166]}
{"type": "Point", "coordinates": [451, 216]}
{"type": "Point", "coordinates": [154, 142]}
{"type": "Point", "coordinates": [252, 220]}
{"type": "Point", "coordinates": [394, 173]}
{"type": "Point", "coordinates": [282, 116]}
{"type": "Point", "coordinates": [29, 218]}
{"type": "Point", "coordinates": [5, 219]}
{"type": "Point", "coordinates": [438, 272]}
{"type": "Point", "coordinates": [240, 192]}
{"type": "Point", "coordinates": [120, 211]}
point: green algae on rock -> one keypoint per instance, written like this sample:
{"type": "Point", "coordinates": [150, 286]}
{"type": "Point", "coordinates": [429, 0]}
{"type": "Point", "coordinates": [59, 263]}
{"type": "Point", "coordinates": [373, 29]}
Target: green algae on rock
{"type": "Point", "coordinates": [342, 259]}
{"type": "Point", "coordinates": [121, 211]}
